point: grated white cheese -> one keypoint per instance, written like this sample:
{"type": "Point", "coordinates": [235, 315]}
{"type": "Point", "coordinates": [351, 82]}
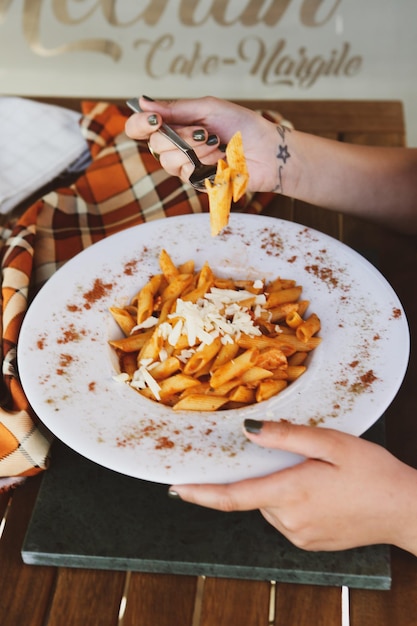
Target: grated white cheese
{"type": "Point", "coordinates": [175, 333]}
{"type": "Point", "coordinates": [164, 329]}
{"type": "Point", "coordinates": [142, 379]}
{"type": "Point", "coordinates": [121, 378]}
{"type": "Point", "coordinates": [224, 296]}
{"type": "Point", "coordinates": [148, 323]}
{"type": "Point", "coordinates": [218, 314]}
{"type": "Point", "coordinates": [185, 355]}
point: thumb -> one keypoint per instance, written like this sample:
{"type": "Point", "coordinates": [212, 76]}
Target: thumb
{"type": "Point", "coordinates": [309, 441]}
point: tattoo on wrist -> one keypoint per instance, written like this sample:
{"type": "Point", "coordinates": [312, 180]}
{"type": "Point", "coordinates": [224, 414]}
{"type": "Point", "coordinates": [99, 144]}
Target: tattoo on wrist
{"type": "Point", "coordinates": [282, 156]}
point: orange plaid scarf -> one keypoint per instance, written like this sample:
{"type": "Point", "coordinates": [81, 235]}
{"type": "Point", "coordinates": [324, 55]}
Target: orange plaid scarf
{"type": "Point", "coordinates": [123, 186]}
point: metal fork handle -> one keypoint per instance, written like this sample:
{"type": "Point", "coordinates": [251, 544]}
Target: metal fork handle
{"type": "Point", "coordinates": [170, 133]}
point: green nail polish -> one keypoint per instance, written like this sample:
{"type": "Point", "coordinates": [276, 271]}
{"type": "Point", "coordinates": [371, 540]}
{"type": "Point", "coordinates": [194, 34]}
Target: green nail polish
{"type": "Point", "coordinates": [253, 426]}
{"type": "Point", "coordinates": [199, 135]}
{"type": "Point", "coordinates": [174, 494]}
{"type": "Point", "coordinates": [212, 140]}
{"type": "Point", "coordinates": [152, 120]}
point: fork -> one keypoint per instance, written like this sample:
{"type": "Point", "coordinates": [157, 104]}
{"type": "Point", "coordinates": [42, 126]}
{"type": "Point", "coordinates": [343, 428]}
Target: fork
{"type": "Point", "coordinates": [201, 171]}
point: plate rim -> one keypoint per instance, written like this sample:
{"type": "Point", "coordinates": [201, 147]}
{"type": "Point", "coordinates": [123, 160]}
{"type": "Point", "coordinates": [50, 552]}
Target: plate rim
{"type": "Point", "coordinates": [277, 222]}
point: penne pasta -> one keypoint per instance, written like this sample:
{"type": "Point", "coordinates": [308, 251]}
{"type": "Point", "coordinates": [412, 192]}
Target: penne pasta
{"type": "Point", "coordinates": [302, 307]}
{"type": "Point", "coordinates": [196, 341]}
{"type": "Point", "coordinates": [124, 319]}
{"type": "Point", "coordinates": [275, 298]}
{"type": "Point", "coordinates": [280, 283]}
{"type": "Point", "coordinates": [200, 402]}
{"type": "Point", "coordinates": [243, 395]}
{"type": "Point", "coordinates": [293, 319]}
{"type": "Point", "coordinates": [133, 343]}
{"type": "Point", "coordinates": [307, 329]}
{"type": "Point", "coordinates": [187, 267]}
{"type": "Point", "coordinates": [176, 287]}
{"type": "Point", "coordinates": [292, 342]}
{"type": "Point", "coordinates": [226, 353]}
{"type": "Point", "coordinates": [269, 388]}
{"type": "Point", "coordinates": [204, 283]}
{"type": "Point", "coordinates": [254, 375]}
{"type": "Point", "coordinates": [279, 313]}
{"type": "Point", "coordinates": [168, 268]}
{"type": "Point", "coordinates": [297, 358]}
{"type": "Point", "coordinates": [175, 384]}
{"type": "Point", "coordinates": [165, 368]}
{"type": "Point", "coordinates": [230, 183]}
{"type": "Point", "coordinates": [145, 298]}
{"type": "Point", "coordinates": [271, 359]}
{"type": "Point", "coordinates": [234, 368]}
{"type": "Point", "coordinates": [295, 371]}
{"type": "Point", "coordinates": [151, 348]}
{"type": "Point", "coordinates": [201, 357]}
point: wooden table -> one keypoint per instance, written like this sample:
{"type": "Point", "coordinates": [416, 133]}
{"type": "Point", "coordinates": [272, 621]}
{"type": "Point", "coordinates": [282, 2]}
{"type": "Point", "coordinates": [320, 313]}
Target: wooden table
{"type": "Point", "coordinates": [53, 596]}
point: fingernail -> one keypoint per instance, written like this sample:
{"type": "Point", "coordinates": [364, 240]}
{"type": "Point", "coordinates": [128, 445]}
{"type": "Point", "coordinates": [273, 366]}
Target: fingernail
{"type": "Point", "coordinates": [212, 140]}
{"type": "Point", "coordinates": [199, 135]}
{"type": "Point", "coordinates": [147, 98]}
{"type": "Point", "coordinates": [174, 494]}
{"type": "Point", "coordinates": [253, 426]}
{"type": "Point", "coordinates": [152, 120]}
{"type": "Point", "coordinates": [222, 147]}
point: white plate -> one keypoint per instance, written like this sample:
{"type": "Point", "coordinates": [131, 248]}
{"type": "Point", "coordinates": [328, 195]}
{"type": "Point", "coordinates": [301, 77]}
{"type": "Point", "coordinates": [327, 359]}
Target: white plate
{"type": "Point", "coordinates": [67, 369]}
